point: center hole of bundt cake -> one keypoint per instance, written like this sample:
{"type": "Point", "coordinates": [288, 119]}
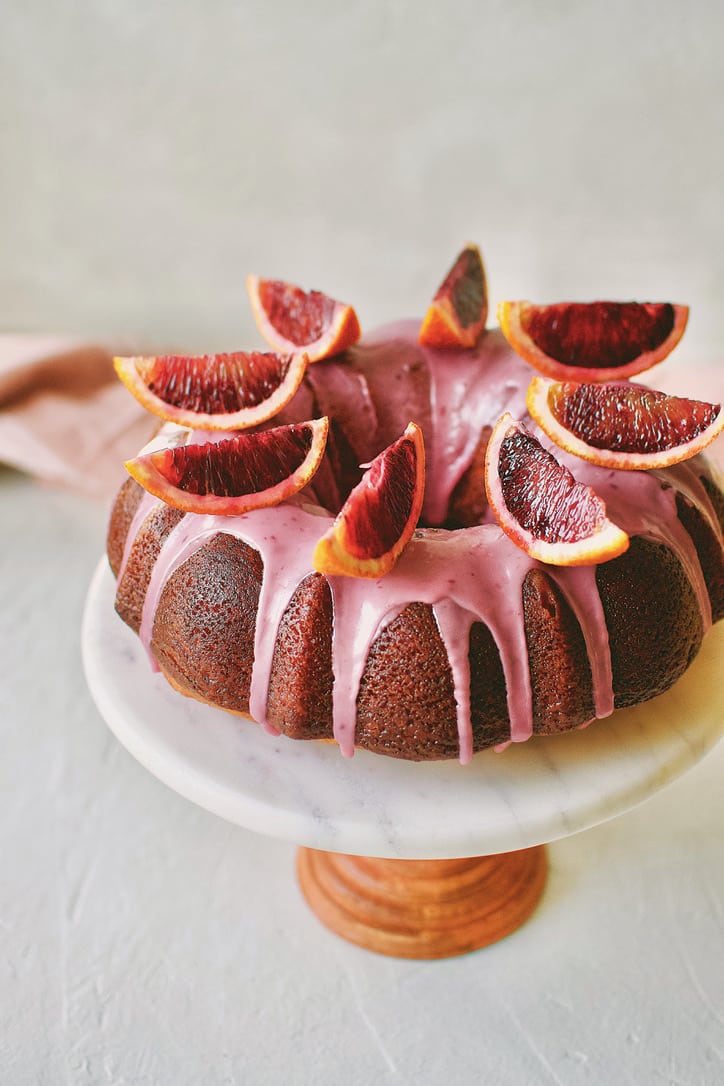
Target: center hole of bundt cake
{"type": "Point", "coordinates": [465, 506]}
{"type": "Point", "coordinates": [391, 492]}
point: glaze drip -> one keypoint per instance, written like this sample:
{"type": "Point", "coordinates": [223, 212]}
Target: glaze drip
{"type": "Point", "coordinates": [579, 588]}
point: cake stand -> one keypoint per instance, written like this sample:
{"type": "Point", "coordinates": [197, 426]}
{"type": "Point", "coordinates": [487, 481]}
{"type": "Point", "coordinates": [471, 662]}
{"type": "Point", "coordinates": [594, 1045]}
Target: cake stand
{"type": "Point", "coordinates": [419, 860]}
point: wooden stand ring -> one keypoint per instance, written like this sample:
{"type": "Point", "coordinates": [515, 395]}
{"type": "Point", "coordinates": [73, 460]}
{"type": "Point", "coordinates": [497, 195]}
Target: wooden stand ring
{"type": "Point", "coordinates": [422, 908]}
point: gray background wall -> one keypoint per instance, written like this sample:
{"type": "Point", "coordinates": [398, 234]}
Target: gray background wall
{"type": "Point", "coordinates": [152, 153]}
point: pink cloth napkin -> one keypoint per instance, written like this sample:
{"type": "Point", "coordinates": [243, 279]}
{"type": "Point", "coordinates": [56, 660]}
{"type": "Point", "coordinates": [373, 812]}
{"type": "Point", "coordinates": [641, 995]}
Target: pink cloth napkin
{"type": "Point", "coordinates": [64, 415]}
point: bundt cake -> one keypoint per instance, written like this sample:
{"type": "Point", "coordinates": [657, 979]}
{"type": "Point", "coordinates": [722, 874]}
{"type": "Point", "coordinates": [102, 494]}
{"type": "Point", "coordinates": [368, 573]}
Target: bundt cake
{"type": "Point", "coordinates": [467, 643]}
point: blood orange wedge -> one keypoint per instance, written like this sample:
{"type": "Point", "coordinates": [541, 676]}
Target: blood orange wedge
{"type": "Point", "coordinates": [623, 425]}
{"type": "Point", "coordinates": [213, 391]}
{"type": "Point", "coordinates": [457, 314]}
{"type": "Point", "coordinates": [592, 341]}
{"type": "Point", "coordinates": [541, 507]}
{"type": "Point", "coordinates": [236, 474]}
{"type": "Point", "coordinates": [377, 521]}
{"type": "Point", "coordinates": [291, 319]}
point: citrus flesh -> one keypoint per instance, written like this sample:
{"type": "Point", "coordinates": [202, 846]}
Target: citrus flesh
{"type": "Point", "coordinates": [457, 314]}
{"type": "Point", "coordinates": [540, 506]}
{"type": "Point", "coordinates": [230, 391]}
{"type": "Point", "coordinates": [592, 341]}
{"type": "Point", "coordinates": [292, 319]}
{"type": "Point", "coordinates": [380, 515]}
{"type": "Point", "coordinates": [236, 474]}
{"type": "Point", "coordinates": [623, 425]}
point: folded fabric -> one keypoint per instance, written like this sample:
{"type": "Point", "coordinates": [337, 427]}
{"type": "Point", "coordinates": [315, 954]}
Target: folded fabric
{"type": "Point", "coordinates": [64, 416]}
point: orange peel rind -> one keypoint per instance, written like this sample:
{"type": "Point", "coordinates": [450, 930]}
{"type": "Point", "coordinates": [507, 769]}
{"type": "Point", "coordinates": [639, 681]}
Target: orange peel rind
{"type": "Point", "coordinates": [589, 420]}
{"type": "Point", "coordinates": [232, 391]}
{"type": "Point", "coordinates": [231, 476]}
{"type": "Point", "coordinates": [380, 515]}
{"type": "Point", "coordinates": [592, 341]}
{"type": "Point", "coordinates": [456, 317]}
{"type": "Point", "coordinates": [291, 319]}
{"type": "Point", "coordinates": [541, 507]}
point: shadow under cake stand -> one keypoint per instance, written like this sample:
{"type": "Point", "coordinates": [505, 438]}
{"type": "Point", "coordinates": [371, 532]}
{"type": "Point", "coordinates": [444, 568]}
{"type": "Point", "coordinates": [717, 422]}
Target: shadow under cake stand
{"type": "Point", "coordinates": [416, 860]}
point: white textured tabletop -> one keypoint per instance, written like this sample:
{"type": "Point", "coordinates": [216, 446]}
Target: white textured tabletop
{"type": "Point", "coordinates": [147, 941]}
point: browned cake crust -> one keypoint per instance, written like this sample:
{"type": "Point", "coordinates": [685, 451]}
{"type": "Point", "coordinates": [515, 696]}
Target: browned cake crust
{"type": "Point", "coordinates": [654, 624]}
{"type": "Point", "coordinates": [203, 634]}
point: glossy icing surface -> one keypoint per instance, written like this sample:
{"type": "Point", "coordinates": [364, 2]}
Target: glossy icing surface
{"type": "Point", "coordinates": [469, 575]}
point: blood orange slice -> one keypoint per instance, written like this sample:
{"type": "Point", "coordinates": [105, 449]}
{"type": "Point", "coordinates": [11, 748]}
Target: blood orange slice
{"type": "Point", "coordinates": [213, 391]}
{"type": "Point", "coordinates": [236, 474]}
{"type": "Point", "coordinates": [457, 314]}
{"type": "Point", "coordinates": [623, 425]}
{"type": "Point", "coordinates": [592, 341]}
{"type": "Point", "coordinates": [541, 507]}
{"type": "Point", "coordinates": [291, 319]}
{"type": "Point", "coordinates": [378, 519]}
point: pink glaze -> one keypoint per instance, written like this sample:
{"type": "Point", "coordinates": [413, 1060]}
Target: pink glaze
{"type": "Point", "coordinates": [147, 503]}
{"type": "Point", "coordinates": [579, 585]}
{"type": "Point", "coordinates": [471, 575]}
{"type": "Point", "coordinates": [463, 392]}
{"type": "Point", "coordinates": [455, 625]}
{"type": "Point", "coordinates": [468, 390]}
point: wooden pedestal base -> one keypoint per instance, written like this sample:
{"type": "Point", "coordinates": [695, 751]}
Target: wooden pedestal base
{"type": "Point", "coordinates": [422, 908]}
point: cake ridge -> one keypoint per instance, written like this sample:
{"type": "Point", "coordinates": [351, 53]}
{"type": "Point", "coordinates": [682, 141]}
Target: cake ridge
{"type": "Point", "coordinates": [647, 508]}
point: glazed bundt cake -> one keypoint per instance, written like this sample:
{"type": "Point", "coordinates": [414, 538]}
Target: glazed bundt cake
{"type": "Point", "coordinates": [468, 642]}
